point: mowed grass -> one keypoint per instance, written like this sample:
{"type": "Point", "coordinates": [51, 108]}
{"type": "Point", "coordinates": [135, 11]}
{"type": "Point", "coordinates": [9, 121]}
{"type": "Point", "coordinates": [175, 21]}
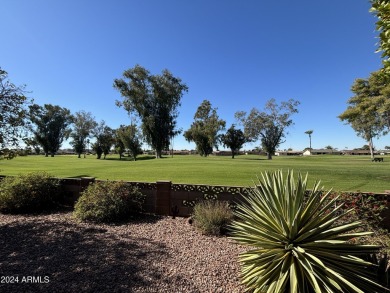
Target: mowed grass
{"type": "Point", "coordinates": [342, 173]}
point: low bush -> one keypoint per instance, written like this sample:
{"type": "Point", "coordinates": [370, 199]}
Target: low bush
{"type": "Point", "coordinates": [369, 209]}
{"type": "Point", "coordinates": [109, 201]}
{"type": "Point", "coordinates": [29, 193]}
{"type": "Point", "coordinates": [212, 216]}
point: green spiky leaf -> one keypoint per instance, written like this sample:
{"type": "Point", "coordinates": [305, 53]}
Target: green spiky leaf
{"type": "Point", "coordinates": [296, 244]}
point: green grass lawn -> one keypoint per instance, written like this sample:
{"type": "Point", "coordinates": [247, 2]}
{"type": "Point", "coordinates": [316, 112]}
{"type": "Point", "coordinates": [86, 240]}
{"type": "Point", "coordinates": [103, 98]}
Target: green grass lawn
{"type": "Point", "coordinates": [342, 173]}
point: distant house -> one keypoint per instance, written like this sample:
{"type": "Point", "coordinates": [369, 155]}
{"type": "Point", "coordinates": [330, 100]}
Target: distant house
{"type": "Point", "coordinates": [66, 152]}
{"type": "Point", "coordinates": [384, 152]}
{"type": "Point", "coordinates": [182, 152]}
{"type": "Point", "coordinates": [255, 152]}
{"type": "Point", "coordinates": [227, 153]}
{"type": "Point", "coordinates": [222, 153]}
{"type": "Point", "coordinates": [359, 152]}
{"type": "Point", "coordinates": [321, 152]}
{"type": "Point", "coordinates": [288, 153]}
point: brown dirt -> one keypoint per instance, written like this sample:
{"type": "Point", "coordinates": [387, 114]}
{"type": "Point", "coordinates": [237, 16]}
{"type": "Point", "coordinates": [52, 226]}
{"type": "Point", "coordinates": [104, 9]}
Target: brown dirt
{"type": "Point", "coordinates": [54, 253]}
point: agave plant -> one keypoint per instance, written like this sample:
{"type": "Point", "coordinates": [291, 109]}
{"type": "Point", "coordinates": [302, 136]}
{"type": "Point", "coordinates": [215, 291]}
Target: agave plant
{"type": "Point", "coordinates": [297, 245]}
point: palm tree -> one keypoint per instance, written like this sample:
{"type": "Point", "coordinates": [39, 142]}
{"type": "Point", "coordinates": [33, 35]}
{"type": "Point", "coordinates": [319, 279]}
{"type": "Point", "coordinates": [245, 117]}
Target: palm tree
{"type": "Point", "coordinates": [309, 132]}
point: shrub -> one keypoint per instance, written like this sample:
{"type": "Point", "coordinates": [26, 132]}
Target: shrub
{"type": "Point", "coordinates": [108, 201]}
{"type": "Point", "coordinates": [298, 244]}
{"type": "Point", "coordinates": [368, 209]}
{"type": "Point", "coordinates": [212, 216]}
{"type": "Point", "coordinates": [29, 193]}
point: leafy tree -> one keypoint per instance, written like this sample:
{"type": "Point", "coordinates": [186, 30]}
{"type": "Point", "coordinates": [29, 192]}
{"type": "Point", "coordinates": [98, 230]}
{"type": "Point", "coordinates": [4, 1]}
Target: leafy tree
{"type": "Point", "coordinates": [204, 130]}
{"type": "Point", "coordinates": [270, 125]}
{"type": "Point", "coordinates": [131, 139]}
{"type": "Point", "coordinates": [329, 147]}
{"type": "Point", "coordinates": [368, 110]}
{"type": "Point", "coordinates": [104, 140]}
{"type": "Point", "coordinates": [119, 146]}
{"type": "Point", "coordinates": [387, 147]}
{"type": "Point", "coordinates": [84, 123]}
{"type": "Point", "coordinates": [51, 126]}
{"type": "Point", "coordinates": [233, 139]}
{"type": "Point", "coordinates": [381, 8]}
{"type": "Point", "coordinates": [155, 99]}
{"type": "Point", "coordinates": [96, 147]}
{"type": "Point", "coordinates": [13, 111]}
{"type": "Point", "coordinates": [366, 147]}
{"type": "Point", "coordinates": [31, 142]}
{"type": "Point", "coordinates": [78, 144]}
{"type": "Point", "coordinates": [309, 132]}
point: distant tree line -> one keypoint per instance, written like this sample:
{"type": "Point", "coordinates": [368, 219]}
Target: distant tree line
{"type": "Point", "coordinates": [155, 100]}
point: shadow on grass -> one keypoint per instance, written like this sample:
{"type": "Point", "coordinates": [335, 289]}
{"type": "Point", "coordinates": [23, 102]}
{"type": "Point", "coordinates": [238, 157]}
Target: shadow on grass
{"type": "Point", "coordinates": [63, 256]}
{"type": "Point", "coordinates": [78, 176]}
{"type": "Point", "coordinates": [130, 159]}
{"type": "Point", "coordinates": [250, 158]}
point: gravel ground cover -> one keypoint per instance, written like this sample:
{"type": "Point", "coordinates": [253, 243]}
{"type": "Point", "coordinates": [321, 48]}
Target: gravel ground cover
{"type": "Point", "coordinates": [54, 253]}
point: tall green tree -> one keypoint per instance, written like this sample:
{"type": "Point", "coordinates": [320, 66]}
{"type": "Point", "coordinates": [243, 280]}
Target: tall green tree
{"type": "Point", "coordinates": [155, 99]}
{"type": "Point", "coordinates": [270, 125]}
{"type": "Point", "coordinates": [131, 139]}
{"type": "Point", "coordinates": [13, 111]}
{"type": "Point", "coordinates": [368, 110]}
{"type": "Point", "coordinates": [83, 125]}
{"type": "Point", "coordinates": [50, 126]}
{"type": "Point", "coordinates": [381, 9]}
{"type": "Point", "coordinates": [204, 130]}
{"type": "Point", "coordinates": [118, 145]}
{"type": "Point", "coordinates": [233, 139]}
{"type": "Point", "coordinates": [105, 139]}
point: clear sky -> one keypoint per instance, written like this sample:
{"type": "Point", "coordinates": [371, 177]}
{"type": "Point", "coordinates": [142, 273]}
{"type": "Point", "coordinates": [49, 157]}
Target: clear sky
{"type": "Point", "coordinates": [235, 53]}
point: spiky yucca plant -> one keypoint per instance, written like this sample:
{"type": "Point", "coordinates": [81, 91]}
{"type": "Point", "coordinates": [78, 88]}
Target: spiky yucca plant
{"type": "Point", "coordinates": [297, 245]}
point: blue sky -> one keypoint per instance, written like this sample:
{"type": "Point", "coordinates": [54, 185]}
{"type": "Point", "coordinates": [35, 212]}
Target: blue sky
{"type": "Point", "coordinates": [236, 54]}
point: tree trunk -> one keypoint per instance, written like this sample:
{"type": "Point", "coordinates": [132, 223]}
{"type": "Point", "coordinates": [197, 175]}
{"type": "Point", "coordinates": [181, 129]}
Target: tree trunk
{"type": "Point", "coordinates": [158, 154]}
{"type": "Point", "coordinates": [269, 156]}
{"type": "Point", "coordinates": [371, 148]}
{"type": "Point", "coordinates": [79, 155]}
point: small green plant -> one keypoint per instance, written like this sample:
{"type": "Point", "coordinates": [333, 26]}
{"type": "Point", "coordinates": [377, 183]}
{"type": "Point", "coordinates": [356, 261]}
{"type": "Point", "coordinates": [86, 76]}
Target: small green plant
{"type": "Point", "coordinates": [298, 246]}
{"type": "Point", "coordinates": [108, 201]}
{"type": "Point", "coordinates": [29, 193]}
{"type": "Point", "coordinates": [212, 216]}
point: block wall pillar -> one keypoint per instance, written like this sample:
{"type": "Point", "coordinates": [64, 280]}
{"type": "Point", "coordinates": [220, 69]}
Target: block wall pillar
{"type": "Point", "coordinates": [163, 198]}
